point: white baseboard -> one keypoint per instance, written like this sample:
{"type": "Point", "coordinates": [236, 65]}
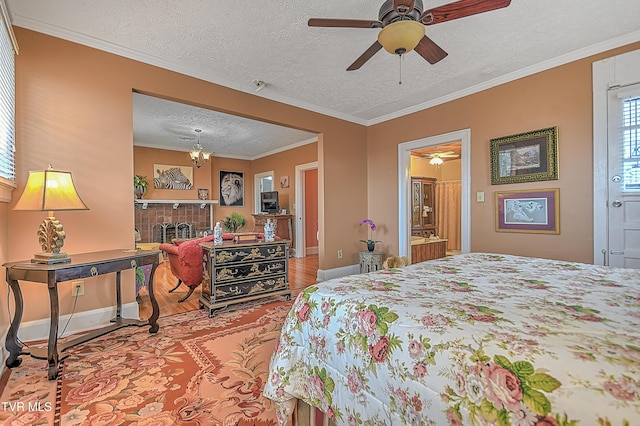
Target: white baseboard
{"type": "Point", "coordinates": [323, 275]}
{"type": "Point", "coordinates": [80, 322]}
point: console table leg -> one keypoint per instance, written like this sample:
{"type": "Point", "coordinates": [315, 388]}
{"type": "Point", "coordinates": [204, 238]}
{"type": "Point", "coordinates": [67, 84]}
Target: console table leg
{"type": "Point", "coordinates": [155, 313]}
{"type": "Point", "coordinates": [11, 342]}
{"type": "Point", "coordinates": [52, 348]}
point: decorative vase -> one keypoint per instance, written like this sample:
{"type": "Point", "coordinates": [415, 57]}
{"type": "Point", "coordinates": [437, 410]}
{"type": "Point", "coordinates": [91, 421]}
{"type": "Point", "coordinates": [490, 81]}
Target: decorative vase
{"type": "Point", "coordinates": [371, 246]}
{"type": "Point", "coordinates": [139, 191]}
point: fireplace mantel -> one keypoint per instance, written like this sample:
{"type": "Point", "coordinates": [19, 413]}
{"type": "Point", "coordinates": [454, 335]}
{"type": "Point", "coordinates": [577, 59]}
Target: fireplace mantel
{"type": "Point", "coordinates": [175, 203]}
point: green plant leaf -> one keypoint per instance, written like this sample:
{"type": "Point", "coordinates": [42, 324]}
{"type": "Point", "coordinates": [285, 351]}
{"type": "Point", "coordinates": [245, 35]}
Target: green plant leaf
{"type": "Point", "coordinates": [522, 369]}
{"type": "Point", "coordinates": [536, 401]}
{"type": "Point", "coordinates": [543, 381]}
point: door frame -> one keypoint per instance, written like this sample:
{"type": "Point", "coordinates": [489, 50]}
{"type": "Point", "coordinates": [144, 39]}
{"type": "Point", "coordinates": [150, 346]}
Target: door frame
{"type": "Point", "coordinates": [620, 70]}
{"type": "Point", "coordinates": [300, 246]}
{"type": "Point", "coordinates": [404, 186]}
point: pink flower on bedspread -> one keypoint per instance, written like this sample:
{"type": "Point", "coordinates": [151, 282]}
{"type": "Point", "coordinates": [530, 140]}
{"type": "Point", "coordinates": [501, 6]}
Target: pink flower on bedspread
{"type": "Point", "coordinates": [304, 312]}
{"type": "Point", "coordinates": [415, 349]}
{"type": "Point", "coordinates": [545, 421]}
{"type": "Point", "coordinates": [624, 389]}
{"type": "Point", "coordinates": [380, 350]}
{"type": "Point", "coordinates": [501, 387]}
{"type": "Point", "coordinates": [420, 369]}
{"type": "Point", "coordinates": [368, 322]}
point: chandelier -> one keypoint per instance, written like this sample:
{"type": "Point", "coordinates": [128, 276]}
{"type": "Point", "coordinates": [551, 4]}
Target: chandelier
{"type": "Point", "coordinates": [198, 156]}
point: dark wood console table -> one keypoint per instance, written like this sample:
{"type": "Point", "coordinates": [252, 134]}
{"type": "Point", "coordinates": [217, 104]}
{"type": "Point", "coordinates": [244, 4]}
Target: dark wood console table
{"type": "Point", "coordinates": [81, 266]}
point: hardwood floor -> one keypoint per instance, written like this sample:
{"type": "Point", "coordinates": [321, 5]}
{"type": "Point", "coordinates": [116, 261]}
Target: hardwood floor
{"type": "Point", "coordinates": [302, 273]}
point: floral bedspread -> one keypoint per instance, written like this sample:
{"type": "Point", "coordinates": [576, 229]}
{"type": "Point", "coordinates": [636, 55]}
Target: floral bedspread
{"type": "Point", "coordinates": [474, 339]}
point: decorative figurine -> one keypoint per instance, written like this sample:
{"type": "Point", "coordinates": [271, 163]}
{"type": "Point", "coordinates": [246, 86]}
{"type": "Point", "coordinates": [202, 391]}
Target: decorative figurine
{"type": "Point", "coordinates": [269, 231]}
{"type": "Point", "coordinates": [217, 234]}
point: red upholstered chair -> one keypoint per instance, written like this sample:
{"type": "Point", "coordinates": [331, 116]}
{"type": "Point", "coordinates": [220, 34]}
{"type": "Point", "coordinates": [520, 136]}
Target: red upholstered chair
{"type": "Point", "coordinates": [185, 260]}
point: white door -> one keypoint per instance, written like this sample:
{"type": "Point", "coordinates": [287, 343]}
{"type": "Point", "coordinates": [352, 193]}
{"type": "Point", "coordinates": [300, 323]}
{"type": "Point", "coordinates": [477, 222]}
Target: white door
{"type": "Point", "coordinates": [623, 185]}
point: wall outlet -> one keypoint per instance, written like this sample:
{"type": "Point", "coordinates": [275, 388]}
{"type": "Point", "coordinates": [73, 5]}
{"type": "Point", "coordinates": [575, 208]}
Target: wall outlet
{"type": "Point", "coordinates": [340, 254]}
{"type": "Point", "coordinates": [78, 288]}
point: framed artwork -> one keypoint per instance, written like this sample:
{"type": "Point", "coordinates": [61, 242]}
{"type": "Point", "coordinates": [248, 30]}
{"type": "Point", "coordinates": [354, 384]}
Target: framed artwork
{"type": "Point", "coordinates": [172, 177]}
{"type": "Point", "coordinates": [284, 181]}
{"type": "Point", "coordinates": [203, 194]}
{"type": "Point", "coordinates": [525, 157]}
{"type": "Point", "coordinates": [534, 211]}
{"type": "Point", "coordinates": [231, 188]}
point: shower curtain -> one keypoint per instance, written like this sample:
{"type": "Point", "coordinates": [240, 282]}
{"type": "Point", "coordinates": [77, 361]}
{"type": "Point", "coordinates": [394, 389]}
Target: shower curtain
{"type": "Point", "coordinates": [448, 212]}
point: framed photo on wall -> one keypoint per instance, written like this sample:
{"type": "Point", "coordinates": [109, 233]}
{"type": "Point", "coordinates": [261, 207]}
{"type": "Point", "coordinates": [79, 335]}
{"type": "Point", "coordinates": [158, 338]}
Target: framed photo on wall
{"type": "Point", "coordinates": [525, 157]}
{"type": "Point", "coordinates": [533, 211]}
{"type": "Point", "coordinates": [172, 177]}
{"type": "Point", "coordinates": [231, 188]}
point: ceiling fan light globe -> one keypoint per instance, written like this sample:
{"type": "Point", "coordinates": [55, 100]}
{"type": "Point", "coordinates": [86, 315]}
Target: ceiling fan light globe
{"type": "Point", "coordinates": [436, 161]}
{"type": "Point", "coordinates": [401, 36]}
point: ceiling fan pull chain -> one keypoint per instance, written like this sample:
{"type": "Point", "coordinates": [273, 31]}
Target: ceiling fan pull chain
{"type": "Point", "coordinates": [400, 82]}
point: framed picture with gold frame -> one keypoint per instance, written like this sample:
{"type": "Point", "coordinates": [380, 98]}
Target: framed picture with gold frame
{"type": "Point", "coordinates": [525, 157]}
{"type": "Point", "coordinates": [533, 211]}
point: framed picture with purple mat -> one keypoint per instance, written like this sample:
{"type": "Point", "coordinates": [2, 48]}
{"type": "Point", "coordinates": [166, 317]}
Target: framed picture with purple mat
{"type": "Point", "coordinates": [531, 211]}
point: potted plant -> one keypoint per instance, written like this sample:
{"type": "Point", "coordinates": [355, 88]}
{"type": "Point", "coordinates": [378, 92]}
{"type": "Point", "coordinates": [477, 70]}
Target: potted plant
{"type": "Point", "coordinates": [140, 185]}
{"type": "Point", "coordinates": [234, 222]}
{"type": "Point", "coordinates": [370, 242]}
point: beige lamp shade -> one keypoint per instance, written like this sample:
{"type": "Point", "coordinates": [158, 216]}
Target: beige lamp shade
{"type": "Point", "coordinates": [401, 36]}
{"type": "Point", "coordinates": [50, 190]}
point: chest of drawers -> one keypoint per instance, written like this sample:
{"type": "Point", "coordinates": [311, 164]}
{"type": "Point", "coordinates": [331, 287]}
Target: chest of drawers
{"type": "Point", "coordinates": [241, 272]}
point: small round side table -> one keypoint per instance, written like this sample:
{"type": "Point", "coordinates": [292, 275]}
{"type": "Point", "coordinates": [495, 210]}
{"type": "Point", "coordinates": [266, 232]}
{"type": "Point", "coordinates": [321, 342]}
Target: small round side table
{"type": "Point", "coordinates": [370, 261]}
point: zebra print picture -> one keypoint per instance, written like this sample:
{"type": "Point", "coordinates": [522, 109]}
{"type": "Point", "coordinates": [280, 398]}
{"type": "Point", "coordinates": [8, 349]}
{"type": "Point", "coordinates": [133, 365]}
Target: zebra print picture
{"type": "Point", "coordinates": [172, 177]}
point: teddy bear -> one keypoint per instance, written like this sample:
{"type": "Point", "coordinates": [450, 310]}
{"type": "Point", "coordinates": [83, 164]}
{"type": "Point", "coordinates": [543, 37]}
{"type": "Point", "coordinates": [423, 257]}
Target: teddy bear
{"type": "Point", "coordinates": [395, 262]}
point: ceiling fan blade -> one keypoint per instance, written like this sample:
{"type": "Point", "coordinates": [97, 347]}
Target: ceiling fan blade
{"type": "Point", "coordinates": [344, 23]}
{"type": "Point", "coordinates": [372, 50]}
{"type": "Point", "coordinates": [403, 6]}
{"type": "Point", "coordinates": [460, 9]}
{"type": "Point", "coordinates": [429, 50]}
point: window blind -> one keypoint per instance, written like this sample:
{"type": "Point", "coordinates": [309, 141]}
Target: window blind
{"type": "Point", "coordinates": [631, 143]}
{"type": "Point", "coordinates": [8, 51]}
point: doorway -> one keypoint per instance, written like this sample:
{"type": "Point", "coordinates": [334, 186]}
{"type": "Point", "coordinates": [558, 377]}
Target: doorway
{"type": "Point", "coordinates": [404, 186]}
{"type": "Point", "coordinates": [304, 206]}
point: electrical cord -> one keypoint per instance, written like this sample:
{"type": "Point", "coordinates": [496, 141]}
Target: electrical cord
{"type": "Point", "coordinates": [73, 310]}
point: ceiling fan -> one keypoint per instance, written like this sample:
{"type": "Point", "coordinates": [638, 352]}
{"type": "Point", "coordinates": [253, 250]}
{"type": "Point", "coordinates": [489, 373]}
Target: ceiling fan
{"type": "Point", "coordinates": [402, 26]}
{"type": "Point", "coordinates": [437, 157]}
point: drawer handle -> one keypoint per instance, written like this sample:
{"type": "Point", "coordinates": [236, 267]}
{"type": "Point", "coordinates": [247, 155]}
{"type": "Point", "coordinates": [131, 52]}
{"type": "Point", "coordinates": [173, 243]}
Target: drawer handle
{"type": "Point", "coordinates": [93, 271]}
{"type": "Point", "coordinates": [134, 263]}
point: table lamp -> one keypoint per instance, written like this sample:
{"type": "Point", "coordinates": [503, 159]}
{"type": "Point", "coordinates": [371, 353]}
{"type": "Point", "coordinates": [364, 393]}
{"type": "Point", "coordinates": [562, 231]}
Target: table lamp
{"type": "Point", "coordinates": [50, 190]}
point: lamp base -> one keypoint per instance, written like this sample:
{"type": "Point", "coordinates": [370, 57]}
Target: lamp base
{"type": "Point", "coordinates": [50, 258]}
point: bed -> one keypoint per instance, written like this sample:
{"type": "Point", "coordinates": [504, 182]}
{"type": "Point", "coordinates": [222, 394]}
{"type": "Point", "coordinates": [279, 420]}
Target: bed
{"type": "Point", "coordinates": [473, 339]}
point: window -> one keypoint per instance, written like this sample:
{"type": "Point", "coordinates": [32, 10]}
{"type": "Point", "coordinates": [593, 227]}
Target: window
{"type": "Point", "coordinates": [631, 142]}
{"type": "Point", "coordinates": [8, 50]}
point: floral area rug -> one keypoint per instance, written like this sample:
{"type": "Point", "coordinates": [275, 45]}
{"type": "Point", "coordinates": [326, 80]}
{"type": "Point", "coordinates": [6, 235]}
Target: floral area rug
{"type": "Point", "coordinates": [195, 371]}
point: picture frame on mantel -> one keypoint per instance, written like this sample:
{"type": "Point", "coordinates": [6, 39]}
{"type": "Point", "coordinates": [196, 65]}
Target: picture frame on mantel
{"type": "Point", "coordinates": [525, 157]}
{"type": "Point", "coordinates": [534, 211]}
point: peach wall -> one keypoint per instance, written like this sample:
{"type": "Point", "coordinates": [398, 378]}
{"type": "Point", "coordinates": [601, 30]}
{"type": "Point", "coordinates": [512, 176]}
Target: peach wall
{"type": "Point", "coordinates": [557, 97]}
{"type": "Point", "coordinates": [74, 111]}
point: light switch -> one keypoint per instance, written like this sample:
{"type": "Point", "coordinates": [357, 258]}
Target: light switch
{"type": "Point", "coordinates": [480, 197]}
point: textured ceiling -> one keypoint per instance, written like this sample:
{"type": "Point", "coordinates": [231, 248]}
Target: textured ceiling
{"type": "Point", "coordinates": [233, 43]}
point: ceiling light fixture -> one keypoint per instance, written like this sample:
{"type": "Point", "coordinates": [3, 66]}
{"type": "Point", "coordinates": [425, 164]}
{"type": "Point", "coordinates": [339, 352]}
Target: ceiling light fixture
{"type": "Point", "coordinates": [259, 85]}
{"type": "Point", "coordinates": [198, 156]}
{"type": "Point", "coordinates": [401, 37]}
{"type": "Point", "coordinates": [436, 161]}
